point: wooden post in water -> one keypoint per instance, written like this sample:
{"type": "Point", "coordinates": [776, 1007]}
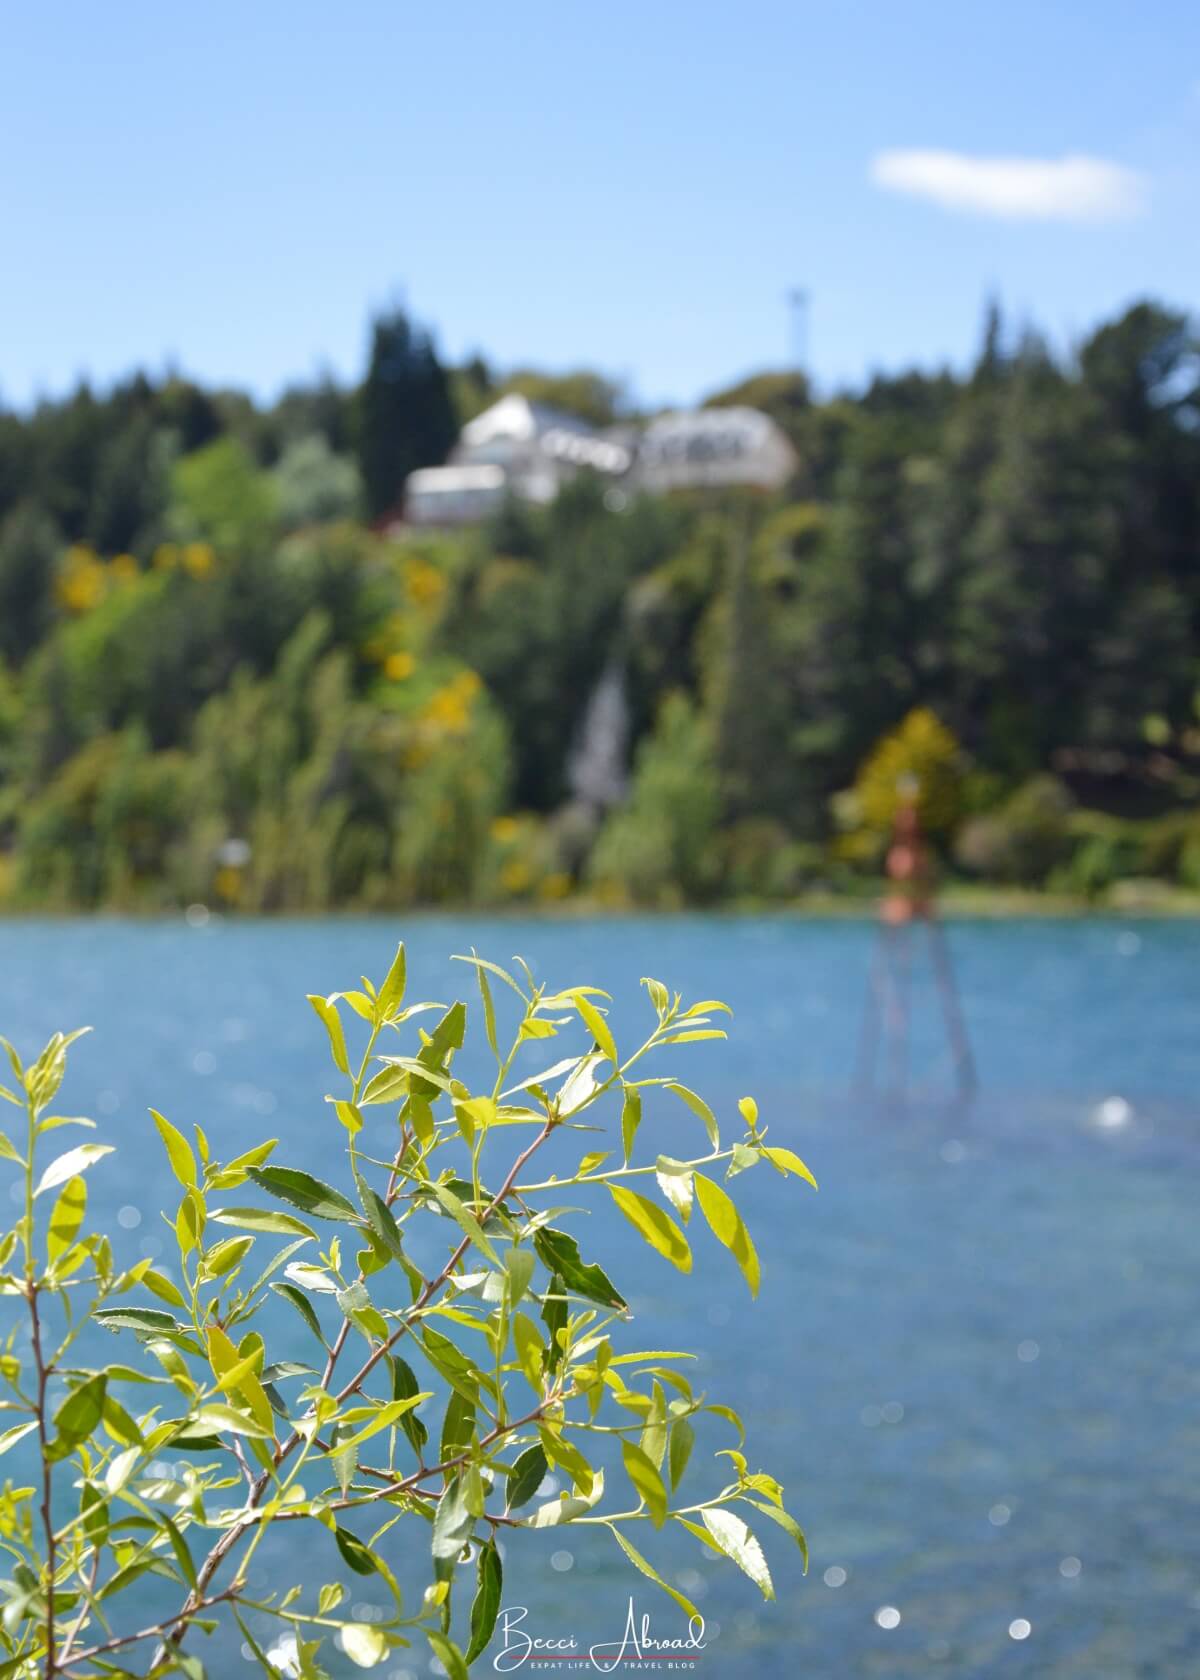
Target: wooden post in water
{"type": "Point", "coordinates": [908, 903]}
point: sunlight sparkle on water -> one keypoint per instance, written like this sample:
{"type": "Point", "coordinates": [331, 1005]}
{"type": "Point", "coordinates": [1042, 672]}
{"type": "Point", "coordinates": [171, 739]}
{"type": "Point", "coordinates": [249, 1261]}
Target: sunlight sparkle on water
{"type": "Point", "coordinates": [1112, 1113]}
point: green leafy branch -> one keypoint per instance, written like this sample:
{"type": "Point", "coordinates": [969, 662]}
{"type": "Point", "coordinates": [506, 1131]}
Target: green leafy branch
{"type": "Point", "coordinates": [513, 1309]}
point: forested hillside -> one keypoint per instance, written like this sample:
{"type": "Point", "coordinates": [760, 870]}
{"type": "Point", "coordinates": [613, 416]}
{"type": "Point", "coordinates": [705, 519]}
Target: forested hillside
{"type": "Point", "coordinates": [219, 682]}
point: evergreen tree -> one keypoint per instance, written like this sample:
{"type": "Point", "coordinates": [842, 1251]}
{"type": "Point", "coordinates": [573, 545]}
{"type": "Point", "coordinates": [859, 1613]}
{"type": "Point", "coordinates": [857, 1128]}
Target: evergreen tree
{"type": "Point", "coordinates": [405, 413]}
{"type": "Point", "coordinates": [29, 548]}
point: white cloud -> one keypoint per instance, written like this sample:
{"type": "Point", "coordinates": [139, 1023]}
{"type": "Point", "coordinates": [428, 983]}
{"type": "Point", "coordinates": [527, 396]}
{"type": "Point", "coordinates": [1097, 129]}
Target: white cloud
{"type": "Point", "coordinates": [1067, 189]}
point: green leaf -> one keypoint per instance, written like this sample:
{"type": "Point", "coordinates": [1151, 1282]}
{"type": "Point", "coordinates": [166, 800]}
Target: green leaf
{"type": "Point", "coordinates": [657, 1227]}
{"type": "Point", "coordinates": [267, 1220]}
{"type": "Point", "coordinates": [327, 1012]}
{"type": "Point", "coordinates": [786, 1162]}
{"type": "Point", "coordinates": [381, 1218]}
{"type": "Point", "coordinates": [726, 1223]}
{"type": "Point", "coordinates": [597, 1026]}
{"type": "Point", "coordinates": [697, 1106]}
{"type": "Point", "coordinates": [386, 1417]}
{"type": "Point", "coordinates": [349, 1114]}
{"type": "Point", "coordinates": [529, 1350]}
{"type": "Point", "coordinates": [559, 1253]}
{"type": "Point", "coordinates": [309, 1194]}
{"type": "Point", "coordinates": [445, 1038]}
{"type": "Point", "coordinates": [121, 1468]}
{"type": "Point", "coordinates": [631, 1119]}
{"type": "Point", "coordinates": [118, 1422]}
{"type": "Point", "coordinates": [519, 1263]}
{"type": "Point", "coordinates": [7, 1150]}
{"type": "Point", "coordinates": [255, 1649]}
{"type": "Point", "coordinates": [730, 1416]}
{"type": "Point", "coordinates": [489, 1008]}
{"type": "Point", "coordinates": [179, 1546]}
{"type": "Point", "coordinates": [474, 1115]}
{"type": "Point", "coordinates": [147, 1319]}
{"type": "Point", "coordinates": [214, 1416]}
{"type": "Point", "coordinates": [654, 1431]}
{"type": "Point", "coordinates": [179, 1150]}
{"type": "Point", "coordinates": [566, 1507]}
{"type": "Point", "coordinates": [493, 968]}
{"type": "Point", "coordinates": [159, 1284]}
{"type": "Point", "coordinates": [452, 1524]}
{"type": "Point", "coordinates": [366, 1646]}
{"type": "Point", "coordinates": [362, 1004]}
{"type": "Point", "coordinates": [486, 1605]}
{"type": "Point", "coordinates": [458, 1426]}
{"type": "Point", "coordinates": [646, 1479]}
{"type": "Point", "coordinates": [354, 1553]}
{"type": "Point", "coordinates": [404, 1386]}
{"type": "Point", "coordinates": [76, 1160]}
{"type": "Point", "coordinates": [93, 1509]}
{"type": "Point", "coordinates": [448, 1654]}
{"type": "Point", "coordinates": [453, 1364]}
{"type": "Point", "coordinates": [18, 1432]}
{"type": "Point", "coordinates": [355, 1304]}
{"type": "Point", "coordinates": [788, 1524]}
{"type": "Point", "coordinates": [554, 1317]}
{"type": "Point", "coordinates": [682, 1439]}
{"type": "Point", "coordinates": [66, 1217]}
{"type": "Point", "coordinates": [675, 1181]}
{"type": "Point", "coordinates": [736, 1541]}
{"type": "Point", "coordinates": [391, 993]}
{"type": "Point", "coordinates": [303, 1306]}
{"type": "Point", "coordinates": [568, 1457]}
{"type": "Point", "coordinates": [639, 1562]}
{"type": "Point", "coordinates": [742, 1159]}
{"type": "Point", "coordinates": [526, 1476]}
{"type": "Point", "coordinates": [78, 1416]}
{"type": "Point", "coordinates": [390, 1084]}
{"type": "Point", "coordinates": [466, 1221]}
{"type": "Point", "coordinates": [227, 1177]}
{"type": "Point", "coordinates": [222, 1257]}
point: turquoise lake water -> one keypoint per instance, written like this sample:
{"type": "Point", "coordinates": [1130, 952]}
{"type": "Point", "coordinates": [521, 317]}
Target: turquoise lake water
{"type": "Point", "coordinates": [975, 1359]}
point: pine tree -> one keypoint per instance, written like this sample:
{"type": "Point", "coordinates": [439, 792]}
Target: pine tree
{"type": "Point", "coordinates": [405, 412]}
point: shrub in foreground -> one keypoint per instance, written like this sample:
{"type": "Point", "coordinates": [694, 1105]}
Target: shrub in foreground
{"type": "Point", "coordinates": [443, 1394]}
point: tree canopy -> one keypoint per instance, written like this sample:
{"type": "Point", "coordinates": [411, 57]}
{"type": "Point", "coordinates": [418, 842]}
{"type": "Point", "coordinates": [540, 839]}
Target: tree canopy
{"type": "Point", "coordinates": [207, 654]}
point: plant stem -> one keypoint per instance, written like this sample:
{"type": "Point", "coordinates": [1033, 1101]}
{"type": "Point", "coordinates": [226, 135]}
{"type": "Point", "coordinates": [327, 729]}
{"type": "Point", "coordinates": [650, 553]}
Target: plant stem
{"type": "Point", "coordinates": [43, 1374]}
{"type": "Point", "coordinates": [208, 1569]}
{"type": "Point", "coordinates": [144, 1633]}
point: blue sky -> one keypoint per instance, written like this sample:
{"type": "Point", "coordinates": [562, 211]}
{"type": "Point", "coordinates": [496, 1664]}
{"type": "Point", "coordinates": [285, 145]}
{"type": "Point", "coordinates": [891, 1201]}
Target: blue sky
{"type": "Point", "coordinates": [627, 186]}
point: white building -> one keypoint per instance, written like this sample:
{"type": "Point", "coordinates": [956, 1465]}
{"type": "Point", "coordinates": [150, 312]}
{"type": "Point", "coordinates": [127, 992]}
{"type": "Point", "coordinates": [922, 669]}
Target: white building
{"type": "Point", "coordinates": [714, 448]}
{"type": "Point", "coordinates": [527, 449]}
{"type": "Point", "coordinates": [454, 495]}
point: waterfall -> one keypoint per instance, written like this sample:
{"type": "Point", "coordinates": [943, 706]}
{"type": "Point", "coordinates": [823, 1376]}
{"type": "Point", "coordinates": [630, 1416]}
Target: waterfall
{"type": "Point", "coordinates": [596, 766]}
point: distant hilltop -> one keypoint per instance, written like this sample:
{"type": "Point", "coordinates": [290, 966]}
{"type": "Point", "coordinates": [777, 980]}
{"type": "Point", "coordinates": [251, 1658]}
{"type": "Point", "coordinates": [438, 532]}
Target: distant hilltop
{"type": "Point", "coordinates": [529, 449]}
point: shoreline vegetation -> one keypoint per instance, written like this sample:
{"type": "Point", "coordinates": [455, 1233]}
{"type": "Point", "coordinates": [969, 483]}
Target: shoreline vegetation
{"type": "Point", "coordinates": [1127, 901]}
{"type": "Point", "coordinates": [231, 675]}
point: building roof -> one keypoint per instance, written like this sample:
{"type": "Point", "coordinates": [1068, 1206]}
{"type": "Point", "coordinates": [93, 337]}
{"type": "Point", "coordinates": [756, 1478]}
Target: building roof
{"type": "Point", "coordinates": [708, 434]}
{"type": "Point", "coordinates": [516, 419]}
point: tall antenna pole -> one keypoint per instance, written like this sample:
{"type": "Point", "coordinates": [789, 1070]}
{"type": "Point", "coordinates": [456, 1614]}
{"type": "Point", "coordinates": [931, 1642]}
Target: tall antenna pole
{"type": "Point", "coordinates": [798, 300]}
